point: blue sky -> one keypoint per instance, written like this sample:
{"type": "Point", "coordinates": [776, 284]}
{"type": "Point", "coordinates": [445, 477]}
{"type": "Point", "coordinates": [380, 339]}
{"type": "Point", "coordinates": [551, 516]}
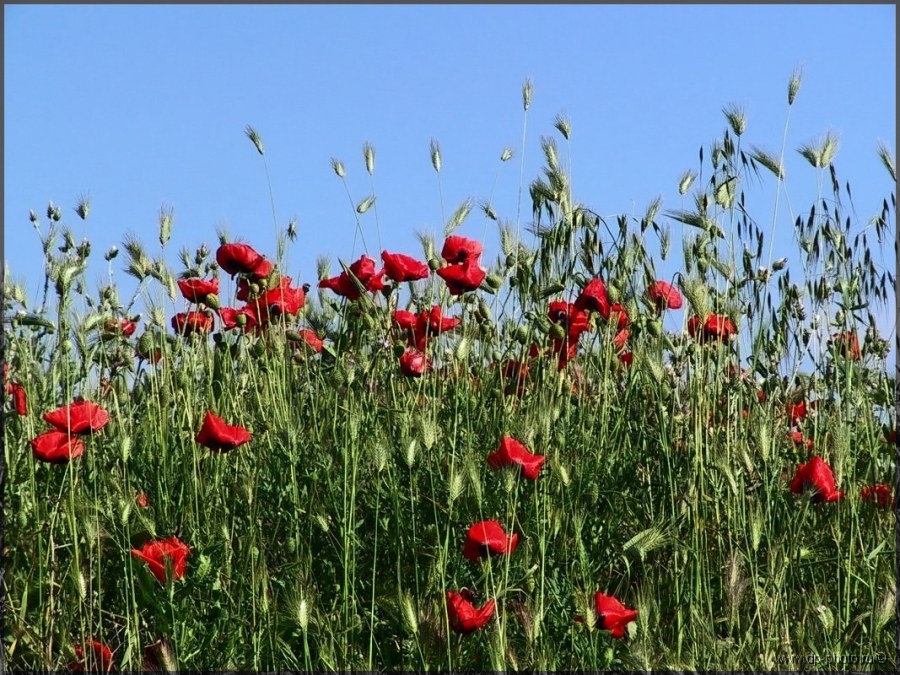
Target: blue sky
{"type": "Point", "coordinates": [141, 106]}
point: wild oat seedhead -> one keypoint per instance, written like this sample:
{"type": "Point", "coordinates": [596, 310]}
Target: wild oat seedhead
{"type": "Point", "coordinates": [365, 204]}
{"type": "Point", "coordinates": [506, 155]}
{"type": "Point", "coordinates": [461, 213]}
{"type": "Point", "coordinates": [338, 167]}
{"type": "Point", "coordinates": [887, 158]}
{"type": "Point", "coordinates": [435, 155]}
{"type": "Point", "coordinates": [550, 152]}
{"type": "Point", "coordinates": [794, 84]}
{"type": "Point", "coordinates": [292, 229]}
{"type": "Point", "coordinates": [54, 213]}
{"type": "Point", "coordinates": [369, 156]}
{"type": "Point", "coordinates": [257, 141]}
{"type": "Point", "coordinates": [489, 211]}
{"type": "Point", "coordinates": [687, 179]}
{"type": "Point", "coordinates": [563, 124]}
{"type": "Point", "coordinates": [111, 253]}
{"type": "Point", "coordinates": [527, 91]}
{"type": "Point", "coordinates": [84, 207]}
{"type": "Point", "coordinates": [166, 218]}
{"type": "Point", "coordinates": [822, 155]}
{"type": "Point", "coordinates": [736, 118]}
{"type": "Point", "coordinates": [762, 157]}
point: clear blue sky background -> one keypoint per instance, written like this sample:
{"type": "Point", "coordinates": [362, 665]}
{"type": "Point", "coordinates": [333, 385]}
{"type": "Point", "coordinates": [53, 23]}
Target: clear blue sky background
{"type": "Point", "coordinates": [140, 106]}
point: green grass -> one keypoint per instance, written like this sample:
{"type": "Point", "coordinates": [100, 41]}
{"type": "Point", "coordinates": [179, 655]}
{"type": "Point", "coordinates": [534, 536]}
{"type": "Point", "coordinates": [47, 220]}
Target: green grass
{"type": "Point", "coordinates": [330, 540]}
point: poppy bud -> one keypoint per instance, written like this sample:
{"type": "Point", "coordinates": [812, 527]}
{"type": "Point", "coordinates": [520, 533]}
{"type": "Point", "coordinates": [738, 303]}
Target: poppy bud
{"type": "Point", "coordinates": [511, 260]}
{"type": "Point", "coordinates": [654, 328]}
{"type": "Point", "coordinates": [557, 331]}
{"type": "Point", "coordinates": [241, 319]}
{"type": "Point", "coordinates": [211, 300]}
{"type": "Point", "coordinates": [484, 311]}
{"type": "Point", "coordinates": [521, 335]}
{"type": "Point", "coordinates": [494, 281]}
{"type": "Point", "coordinates": [434, 264]}
{"type": "Point", "coordinates": [255, 288]}
{"type": "Point", "coordinates": [614, 293]}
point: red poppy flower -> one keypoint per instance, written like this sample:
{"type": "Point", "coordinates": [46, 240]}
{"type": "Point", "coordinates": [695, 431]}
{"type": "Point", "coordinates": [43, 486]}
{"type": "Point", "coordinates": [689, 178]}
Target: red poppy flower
{"type": "Point", "coordinates": [461, 250]}
{"type": "Point", "coordinates": [124, 327]}
{"type": "Point", "coordinates": [612, 615]}
{"type": "Point", "coordinates": [891, 436]}
{"type": "Point", "coordinates": [231, 318]}
{"type": "Point", "coordinates": [311, 339]}
{"type": "Point", "coordinates": [627, 358]}
{"type": "Point", "coordinates": [663, 294]}
{"type": "Point", "coordinates": [797, 439]}
{"type": "Point", "coordinates": [461, 278]}
{"type": "Point", "coordinates": [619, 315]}
{"type": "Point", "coordinates": [816, 475]}
{"type": "Point", "coordinates": [221, 437]}
{"type": "Point", "coordinates": [404, 319]}
{"type": "Point", "coordinates": [567, 315]}
{"type": "Point", "coordinates": [716, 327]}
{"type": "Point", "coordinates": [196, 290]}
{"type": "Point", "coordinates": [364, 270]}
{"type": "Point", "coordinates": [847, 345]}
{"type": "Point", "coordinates": [487, 538]}
{"type": "Point", "coordinates": [141, 500]}
{"type": "Point", "coordinates": [414, 363]}
{"type": "Point", "coordinates": [399, 267]}
{"type": "Point", "coordinates": [464, 618]}
{"type": "Point", "coordinates": [93, 656]}
{"type": "Point", "coordinates": [878, 494]}
{"type": "Point", "coordinates": [155, 554]}
{"type": "Point", "coordinates": [621, 338]}
{"type": "Point", "coordinates": [242, 259]}
{"type": "Point", "coordinates": [796, 411]}
{"type": "Point", "coordinates": [280, 300]}
{"type": "Point", "coordinates": [188, 323]}
{"type": "Point", "coordinates": [56, 447]}
{"type": "Point", "coordinates": [593, 298]}
{"type": "Point", "coordinates": [80, 417]}
{"type": "Point", "coordinates": [20, 399]}
{"type": "Point", "coordinates": [428, 323]}
{"type": "Point", "coordinates": [512, 452]}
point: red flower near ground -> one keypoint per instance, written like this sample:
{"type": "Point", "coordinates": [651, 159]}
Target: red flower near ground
{"type": "Point", "coordinates": [93, 656]}
{"type": "Point", "coordinates": [593, 298]}
{"type": "Point", "coordinates": [57, 447]}
{"type": "Point", "coordinates": [196, 290]}
{"type": "Point", "coordinates": [399, 267]}
{"type": "Point", "coordinates": [878, 494]}
{"type": "Point", "coordinates": [621, 338]}
{"type": "Point", "coordinates": [612, 615]}
{"type": "Point", "coordinates": [464, 618]}
{"type": "Point", "coordinates": [567, 315]}
{"type": "Point", "coordinates": [627, 358]}
{"type": "Point", "coordinates": [242, 259]}
{"type": "Point", "coordinates": [816, 475]}
{"type": "Point", "coordinates": [512, 452]}
{"type": "Point", "coordinates": [221, 437]}
{"type": "Point", "coordinates": [796, 411]}
{"type": "Point", "coordinates": [663, 295]}
{"type": "Point", "coordinates": [20, 399]}
{"type": "Point", "coordinates": [80, 417]}
{"type": "Point", "coordinates": [311, 339]}
{"type": "Point", "coordinates": [462, 278]}
{"type": "Point", "coordinates": [156, 553]}
{"type": "Point", "coordinates": [427, 324]}
{"type": "Point", "coordinates": [414, 363]}
{"type": "Point", "coordinates": [716, 327]}
{"type": "Point", "coordinates": [188, 323]}
{"type": "Point", "coordinates": [847, 345]}
{"type": "Point", "coordinates": [461, 250]}
{"type": "Point", "coordinates": [618, 314]}
{"type": "Point", "coordinates": [364, 270]}
{"type": "Point", "coordinates": [797, 439]}
{"type": "Point", "coordinates": [488, 538]}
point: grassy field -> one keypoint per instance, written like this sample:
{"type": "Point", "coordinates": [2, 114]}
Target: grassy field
{"type": "Point", "coordinates": [242, 495]}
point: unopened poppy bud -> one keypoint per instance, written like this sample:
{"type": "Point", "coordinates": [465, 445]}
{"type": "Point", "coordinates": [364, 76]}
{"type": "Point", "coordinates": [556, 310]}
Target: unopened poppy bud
{"type": "Point", "coordinates": [434, 264]}
{"type": "Point", "coordinates": [398, 351]}
{"type": "Point", "coordinates": [552, 289]}
{"type": "Point", "coordinates": [521, 335]}
{"type": "Point", "coordinates": [614, 293]}
{"type": "Point", "coordinates": [494, 281]}
{"type": "Point", "coordinates": [557, 331]}
{"type": "Point", "coordinates": [484, 311]}
{"type": "Point", "coordinates": [654, 328]}
{"type": "Point", "coordinates": [258, 349]}
{"type": "Point", "coordinates": [511, 260]}
{"type": "Point", "coordinates": [255, 288]}
{"type": "Point", "coordinates": [241, 319]}
{"type": "Point", "coordinates": [212, 300]}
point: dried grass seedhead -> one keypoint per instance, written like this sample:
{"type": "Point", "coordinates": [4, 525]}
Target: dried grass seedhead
{"type": "Point", "coordinates": [821, 155]}
{"type": "Point", "coordinates": [369, 156]}
{"type": "Point", "coordinates": [338, 167]}
{"type": "Point", "coordinates": [253, 135]}
{"type": "Point", "coordinates": [887, 158]}
{"type": "Point", "coordinates": [563, 125]}
{"type": "Point", "coordinates": [435, 150]}
{"type": "Point", "coordinates": [736, 118]}
{"type": "Point", "coordinates": [794, 84]}
{"type": "Point", "coordinates": [84, 206]}
{"type": "Point", "coordinates": [166, 219]}
{"type": "Point", "coordinates": [527, 91]}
